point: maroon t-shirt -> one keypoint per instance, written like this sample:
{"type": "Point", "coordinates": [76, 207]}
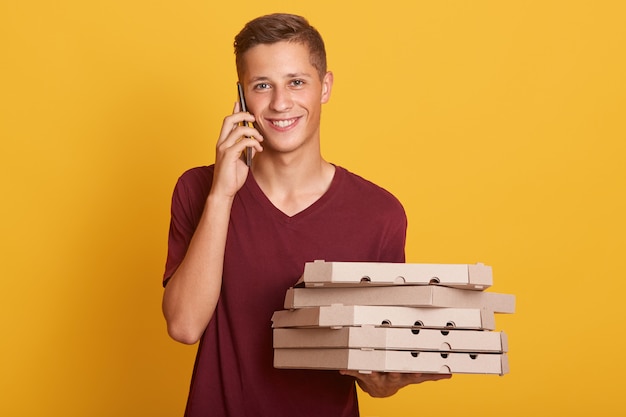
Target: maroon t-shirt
{"type": "Point", "coordinates": [266, 250]}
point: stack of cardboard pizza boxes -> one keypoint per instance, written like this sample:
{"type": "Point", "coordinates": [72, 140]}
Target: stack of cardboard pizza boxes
{"type": "Point", "coordinates": [392, 317]}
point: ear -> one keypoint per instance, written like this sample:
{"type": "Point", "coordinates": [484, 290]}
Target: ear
{"type": "Point", "coordinates": [327, 86]}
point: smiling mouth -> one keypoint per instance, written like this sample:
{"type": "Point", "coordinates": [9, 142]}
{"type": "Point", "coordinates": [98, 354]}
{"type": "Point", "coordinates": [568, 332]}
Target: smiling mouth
{"type": "Point", "coordinates": [282, 124]}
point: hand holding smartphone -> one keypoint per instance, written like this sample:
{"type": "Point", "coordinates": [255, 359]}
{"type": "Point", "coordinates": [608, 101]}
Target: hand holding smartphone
{"type": "Point", "coordinates": [244, 108]}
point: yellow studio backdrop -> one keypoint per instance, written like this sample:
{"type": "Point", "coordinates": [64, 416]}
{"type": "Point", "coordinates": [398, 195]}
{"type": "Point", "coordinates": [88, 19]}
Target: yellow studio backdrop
{"type": "Point", "coordinates": [499, 125]}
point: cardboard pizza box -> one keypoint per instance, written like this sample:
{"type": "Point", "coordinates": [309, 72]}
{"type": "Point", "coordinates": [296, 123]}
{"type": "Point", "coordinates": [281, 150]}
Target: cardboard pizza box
{"type": "Point", "coordinates": [394, 316]}
{"type": "Point", "coordinates": [408, 296]}
{"type": "Point", "coordinates": [336, 274]}
{"type": "Point", "coordinates": [370, 337]}
{"type": "Point", "coordinates": [392, 361]}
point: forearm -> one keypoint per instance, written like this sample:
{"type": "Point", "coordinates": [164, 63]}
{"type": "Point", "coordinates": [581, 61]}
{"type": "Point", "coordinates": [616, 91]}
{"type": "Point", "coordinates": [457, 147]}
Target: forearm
{"type": "Point", "coordinates": [192, 292]}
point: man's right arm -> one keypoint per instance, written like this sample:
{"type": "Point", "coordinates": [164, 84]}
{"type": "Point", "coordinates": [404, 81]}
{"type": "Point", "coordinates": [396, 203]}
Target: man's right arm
{"type": "Point", "coordinates": [192, 292]}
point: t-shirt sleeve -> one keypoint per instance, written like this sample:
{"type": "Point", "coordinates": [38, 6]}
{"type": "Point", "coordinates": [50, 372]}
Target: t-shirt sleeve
{"type": "Point", "coordinates": [394, 238]}
{"type": "Point", "coordinates": [188, 201]}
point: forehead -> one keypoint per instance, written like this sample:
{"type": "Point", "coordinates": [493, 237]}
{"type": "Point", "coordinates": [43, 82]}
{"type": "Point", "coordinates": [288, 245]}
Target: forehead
{"type": "Point", "coordinates": [277, 60]}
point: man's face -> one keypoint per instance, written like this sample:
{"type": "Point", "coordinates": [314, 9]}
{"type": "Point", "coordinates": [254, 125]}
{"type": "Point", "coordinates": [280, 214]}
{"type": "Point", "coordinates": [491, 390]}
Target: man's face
{"type": "Point", "coordinates": [284, 92]}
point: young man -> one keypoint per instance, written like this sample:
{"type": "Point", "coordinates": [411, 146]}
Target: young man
{"type": "Point", "coordinates": [240, 236]}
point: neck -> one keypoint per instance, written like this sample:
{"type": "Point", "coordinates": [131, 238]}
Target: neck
{"type": "Point", "coordinates": [290, 182]}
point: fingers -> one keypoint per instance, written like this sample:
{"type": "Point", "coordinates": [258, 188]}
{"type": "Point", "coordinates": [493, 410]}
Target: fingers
{"type": "Point", "coordinates": [237, 133]}
{"type": "Point", "coordinates": [395, 378]}
{"type": "Point", "coordinates": [231, 150]}
{"type": "Point", "coordinates": [419, 378]}
{"type": "Point", "coordinates": [232, 123]}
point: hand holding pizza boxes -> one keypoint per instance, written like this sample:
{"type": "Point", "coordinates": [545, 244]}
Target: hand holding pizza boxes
{"type": "Point", "coordinates": [392, 317]}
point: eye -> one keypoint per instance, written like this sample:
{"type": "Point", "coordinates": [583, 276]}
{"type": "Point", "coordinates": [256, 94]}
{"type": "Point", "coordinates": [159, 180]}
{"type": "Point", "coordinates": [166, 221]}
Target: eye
{"type": "Point", "coordinates": [261, 86]}
{"type": "Point", "coordinates": [297, 83]}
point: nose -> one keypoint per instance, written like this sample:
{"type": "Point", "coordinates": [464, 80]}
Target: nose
{"type": "Point", "coordinates": [281, 100]}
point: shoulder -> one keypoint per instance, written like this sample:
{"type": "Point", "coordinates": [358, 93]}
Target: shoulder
{"type": "Point", "coordinates": [195, 181]}
{"type": "Point", "coordinates": [369, 193]}
{"type": "Point", "coordinates": [192, 189]}
{"type": "Point", "coordinates": [197, 176]}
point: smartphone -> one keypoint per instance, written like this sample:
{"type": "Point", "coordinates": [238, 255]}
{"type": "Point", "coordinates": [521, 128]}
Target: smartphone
{"type": "Point", "coordinates": [243, 107]}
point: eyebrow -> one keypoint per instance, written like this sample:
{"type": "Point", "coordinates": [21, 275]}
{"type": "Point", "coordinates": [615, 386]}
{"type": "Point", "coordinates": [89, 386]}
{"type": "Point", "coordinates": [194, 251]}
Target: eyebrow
{"type": "Point", "coordinates": [299, 75]}
{"type": "Point", "coordinates": [290, 75]}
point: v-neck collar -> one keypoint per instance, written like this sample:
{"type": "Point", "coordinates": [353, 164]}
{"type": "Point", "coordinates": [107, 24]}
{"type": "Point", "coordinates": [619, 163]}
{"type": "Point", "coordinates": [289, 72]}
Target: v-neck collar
{"type": "Point", "coordinates": [253, 187]}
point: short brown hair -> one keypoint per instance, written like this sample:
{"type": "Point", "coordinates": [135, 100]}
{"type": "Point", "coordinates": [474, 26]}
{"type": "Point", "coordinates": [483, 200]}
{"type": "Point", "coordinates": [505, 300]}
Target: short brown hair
{"type": "Point", "coordinates": [281, 27]}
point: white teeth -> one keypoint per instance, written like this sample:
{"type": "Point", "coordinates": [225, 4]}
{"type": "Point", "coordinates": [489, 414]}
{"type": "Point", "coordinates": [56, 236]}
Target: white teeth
{"type": "Point", "coordinates": [283, 123]}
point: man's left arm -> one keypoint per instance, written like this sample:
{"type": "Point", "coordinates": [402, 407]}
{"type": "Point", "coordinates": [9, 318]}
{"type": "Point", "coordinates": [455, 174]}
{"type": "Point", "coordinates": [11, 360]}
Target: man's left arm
{"type": "Point", "coordinates": [385, 384]}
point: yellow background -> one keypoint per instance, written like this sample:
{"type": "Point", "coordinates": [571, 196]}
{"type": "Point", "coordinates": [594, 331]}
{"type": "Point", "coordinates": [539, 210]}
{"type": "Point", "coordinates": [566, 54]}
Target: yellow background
{"type": "Point", "coordinates": [499, 124]}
